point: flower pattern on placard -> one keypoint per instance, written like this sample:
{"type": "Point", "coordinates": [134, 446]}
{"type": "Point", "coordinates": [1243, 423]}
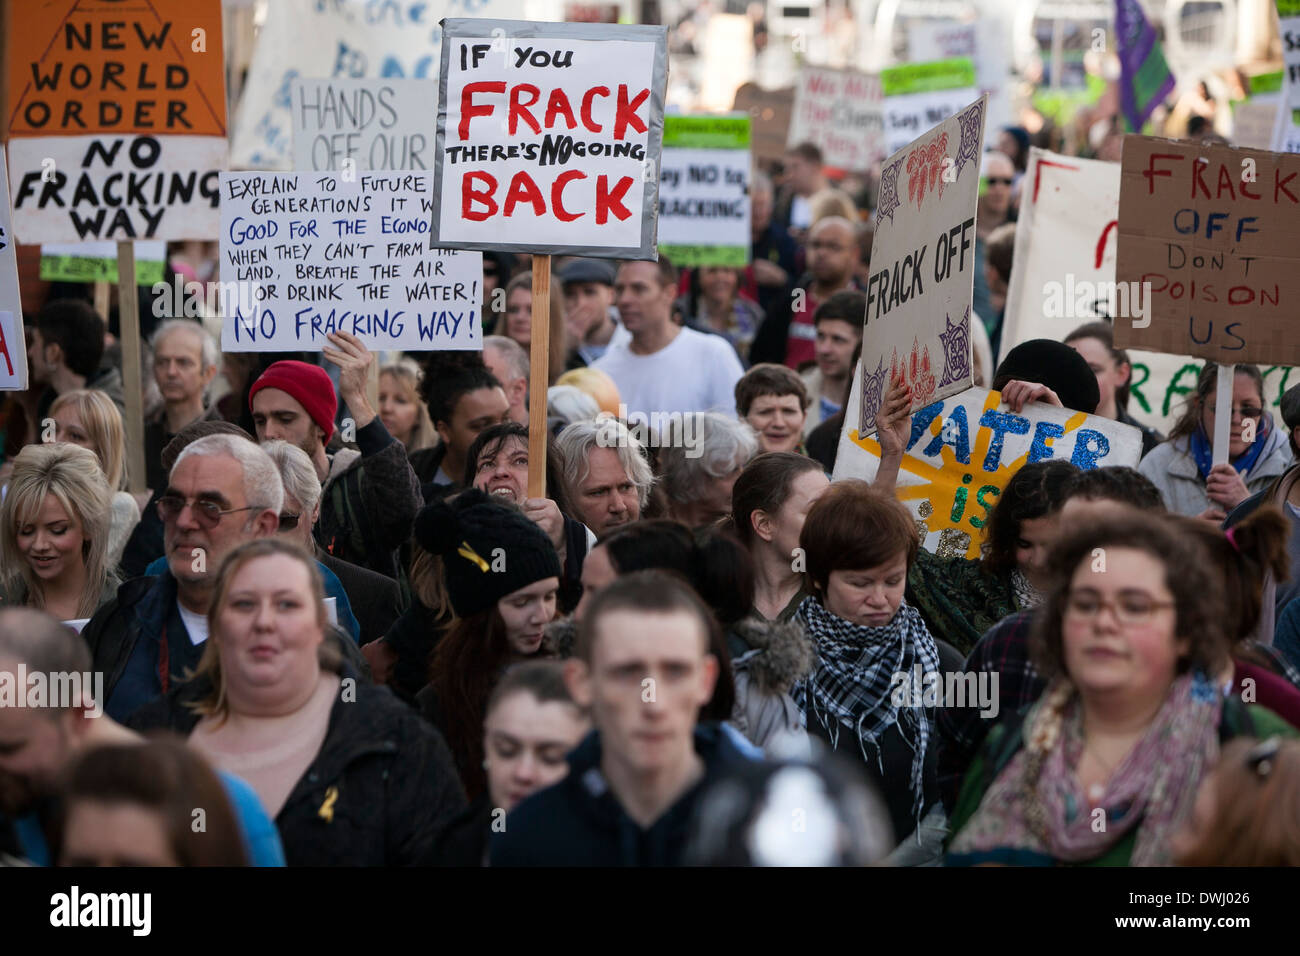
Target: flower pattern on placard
{"type": "Point", "coordinates": [970, 122]}
{"type": "Point", "coordinates": [925, 169]}
{"type": "Point", "coordinates": [873, 388]}
{"type": "Point", "coordinates": [956, 349]}
{"type": "Point", "coordinates": [888, 201]}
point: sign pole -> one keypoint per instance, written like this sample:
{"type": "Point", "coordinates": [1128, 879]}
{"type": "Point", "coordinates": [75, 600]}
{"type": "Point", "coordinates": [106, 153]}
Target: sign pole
{"type": "Point", "coordinates": [128, 311]}
{"type": "Point", "coordinates": [538, 375]}
{"type": "Point", "coordinates": [101, 300]}
{"type": "Point", "coordinates": [1223, 412]}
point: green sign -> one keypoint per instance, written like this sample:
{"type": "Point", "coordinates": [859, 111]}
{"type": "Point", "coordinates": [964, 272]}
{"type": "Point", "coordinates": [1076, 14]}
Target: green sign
{"type": "Point", "coordinates": [951, 74]}
{"type": "Point", "coordinates": [706, 132]}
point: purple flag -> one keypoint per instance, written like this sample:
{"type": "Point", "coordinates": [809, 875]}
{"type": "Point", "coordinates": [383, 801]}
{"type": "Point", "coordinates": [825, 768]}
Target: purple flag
{"type": "Point", "coordinates": [1145, 79]}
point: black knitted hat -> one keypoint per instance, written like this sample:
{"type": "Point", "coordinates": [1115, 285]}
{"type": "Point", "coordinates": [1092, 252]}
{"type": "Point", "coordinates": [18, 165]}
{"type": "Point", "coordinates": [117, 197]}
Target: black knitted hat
{"type": "Point", "coordinates": [1055, 365]}
{"type": "Point", "coordinates": [488, 549]}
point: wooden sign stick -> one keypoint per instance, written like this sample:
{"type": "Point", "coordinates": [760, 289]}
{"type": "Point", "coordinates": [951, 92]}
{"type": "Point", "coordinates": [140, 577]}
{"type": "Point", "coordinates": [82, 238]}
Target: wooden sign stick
{"type": "Point", "coordinates": [128, 311]}
{"type": "Point", "coordinates": [539, 375]}
{"type": "Point", "coordinates": [1223, 412]}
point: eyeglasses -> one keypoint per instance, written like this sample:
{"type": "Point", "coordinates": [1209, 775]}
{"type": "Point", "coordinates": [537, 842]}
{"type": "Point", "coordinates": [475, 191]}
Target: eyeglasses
{"type": "Point", "coordinates": [1133, 607]}
{"type": "Point", "coordinates": [288, 522]}
{"type": "Point", "coordinates": [207, 514]}
{"type": "Point", "coordinates": [1245, 411]}
{"type": "Point", "coordinates": [1261, 756]}
{"type": "Point", "coordinates": [998, 181]}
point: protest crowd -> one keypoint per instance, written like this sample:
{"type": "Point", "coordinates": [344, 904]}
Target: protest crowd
{"type": "Point", "coordinates": [754, 615]}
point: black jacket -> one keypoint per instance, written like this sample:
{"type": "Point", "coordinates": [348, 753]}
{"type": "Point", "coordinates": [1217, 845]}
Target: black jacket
{"type": "Point", "coordinates": [140, 611]}
{"type": "Point", "coordinates": [579, 821]}
{"type": "Point", "coordinates": [412, 638]}
{"type": "Point", "coordinates": [367, 510]}
{"type": "Point", "coordinates": [375, 598]}
{"type": "Point", "coordinates": [380, 792]}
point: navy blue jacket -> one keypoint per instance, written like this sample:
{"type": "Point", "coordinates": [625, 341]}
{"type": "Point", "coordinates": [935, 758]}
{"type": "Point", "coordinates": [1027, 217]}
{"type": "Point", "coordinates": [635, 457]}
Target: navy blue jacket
{"type": "Point", "coordinates": [579, 821]}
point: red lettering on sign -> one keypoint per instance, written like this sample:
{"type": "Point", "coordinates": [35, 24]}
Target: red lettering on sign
{"type": "Point", "coordinates": [625, 112]}
{"type": "Point", "coordinates": [1279, 185]}
{"type": "Point", "coordinates": [523, 189]}
{"type": "Point", "coordinates": [607, 202]}
{"type": "Point", "coordinates": [557, 195]}
{"type": "Point", "coordinates": [587, 97]}
{"type": "Point", "coordinates": [519, 108]}
{"type": "Point", "coordinates": [468, 196]}
{"type": "Point", "coordinates": [557, 104]}
{"type": "Point", "coordinates": [467, 108]}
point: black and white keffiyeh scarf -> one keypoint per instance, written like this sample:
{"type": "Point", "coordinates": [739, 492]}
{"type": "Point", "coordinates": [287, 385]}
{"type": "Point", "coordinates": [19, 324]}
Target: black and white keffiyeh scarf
{"type": "Point", "coordinates": [851, 684]}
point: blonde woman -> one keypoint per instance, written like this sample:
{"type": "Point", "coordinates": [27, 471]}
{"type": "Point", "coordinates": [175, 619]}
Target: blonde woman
{"type": "Point", "coordinates": [400, 409]}
{"type": "Point", "coordinates": [54, 531]}
{"type": "Point", "coordinates": [88, 417]}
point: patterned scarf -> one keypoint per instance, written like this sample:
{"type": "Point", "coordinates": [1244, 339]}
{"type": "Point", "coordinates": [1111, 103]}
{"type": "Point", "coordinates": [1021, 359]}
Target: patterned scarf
{"type": "Point", "coordinates": [1027, 596]}
{"type": "Point", "coordinates": [1203, 449]}
{"type": "Point", "coordinates": [852, 681]}
{"type": "Point", "coordinates": [1037, 806]}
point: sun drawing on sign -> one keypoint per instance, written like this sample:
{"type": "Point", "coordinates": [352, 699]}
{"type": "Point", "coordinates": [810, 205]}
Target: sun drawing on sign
{"type": "Point", "coordinates": [955, 499]}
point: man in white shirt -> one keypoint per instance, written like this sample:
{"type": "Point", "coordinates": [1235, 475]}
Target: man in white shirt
{"type": "Point", "coordinates": [665, 367]}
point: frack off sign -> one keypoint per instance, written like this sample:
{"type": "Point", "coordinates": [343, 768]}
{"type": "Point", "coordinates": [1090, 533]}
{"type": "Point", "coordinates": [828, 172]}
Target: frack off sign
{"type": "Point", "coordinates": [923, 266]}
{"type": "Point", "coordinates": [963, 450]}
{"type": "Point", "coordinates": [549, 137]}
{"type": "Point", "coordinates": [117, 119]}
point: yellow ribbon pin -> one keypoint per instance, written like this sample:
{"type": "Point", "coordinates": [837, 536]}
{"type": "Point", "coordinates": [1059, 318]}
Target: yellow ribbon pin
{"type": "Point", "coordinates": [326, 811]}
{"type": "Point", "coordinates": [465, 551]}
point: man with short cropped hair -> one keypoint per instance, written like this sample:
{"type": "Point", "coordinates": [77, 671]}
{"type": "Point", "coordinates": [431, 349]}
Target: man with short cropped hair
{"type": "Point", "coordinates": [642, 665]}
{"type": "Point", "coordinates": [370, 497]}
{"type": "Point", "coordinates": [65, 348]}
{"type": "Point", "coordinates": [838, 324]}
{"type": "Point", "coordinates": [185, 361]}
{"type": "Point", "coordinates": [665, 367]}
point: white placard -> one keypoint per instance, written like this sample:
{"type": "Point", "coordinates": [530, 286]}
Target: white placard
{"type": "Point", "coordinates": [923, 266]}
{"type": "Point", "coordinates": [83, 188]}
{"type": "Point", "coordinates": [841, 111]}
{"type": "Point", "coordinates": [305, 254]}
{"type": "Point", "coordinates": [377, 124]}
{"type": "Point", "coordinates": [13, 345]}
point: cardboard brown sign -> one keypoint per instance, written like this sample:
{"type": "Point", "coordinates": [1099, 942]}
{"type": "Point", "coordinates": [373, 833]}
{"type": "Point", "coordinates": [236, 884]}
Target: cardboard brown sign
{"type": "Point", "coordinates": [1209, 250]}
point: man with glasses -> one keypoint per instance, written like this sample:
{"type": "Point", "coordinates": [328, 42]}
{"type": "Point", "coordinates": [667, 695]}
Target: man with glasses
{"type": "Point", "coordinates": [997, 174]}
{"type": "Point", "coordinates": [222, 491]}
{"type": "Point", "coordinates": [789, 335]}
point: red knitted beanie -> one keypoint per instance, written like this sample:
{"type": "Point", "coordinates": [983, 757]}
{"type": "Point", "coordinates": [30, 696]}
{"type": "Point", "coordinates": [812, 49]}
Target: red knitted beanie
{"type": "Point", "coordinates": [309, 385]}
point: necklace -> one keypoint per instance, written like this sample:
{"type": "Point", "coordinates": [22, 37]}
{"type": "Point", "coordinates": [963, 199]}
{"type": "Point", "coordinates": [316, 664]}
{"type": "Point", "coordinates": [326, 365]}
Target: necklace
{"type": "Point", "coordinates": [1097, 790]}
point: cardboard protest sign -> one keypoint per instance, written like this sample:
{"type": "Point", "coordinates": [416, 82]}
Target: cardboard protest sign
{"type": "Point", "coordinates": [97, 262]}
{"type": "Point", "coordinates": [1211, 233]}
{"type": "Point", "coordinates": [339, 39]}
{"type": "Point", "coordinates": [117, 119]}
{"type": "Point", "coordinates": [1063, 274]}
{"type": "Point", "coordinates": [377, 124]}
{"type": "Point", "coordinates": [549, 137]}
{"type": "Point", "coordinates": [13, 343]}
{"type": "Point", "coordinates": [842, 112]}
{"type": "Point", "coordinates": [306, 254]}
{"type": "Point", "coordinates": [919, 96]}
{"type": "Point", "coordinates": [704, 191]}
{"type": "Point", "coordinates": [770, 112]}
{"type": "Point", "coordinates": [963, 451]}
{"type": "Point", "coordinates": [923, 266]}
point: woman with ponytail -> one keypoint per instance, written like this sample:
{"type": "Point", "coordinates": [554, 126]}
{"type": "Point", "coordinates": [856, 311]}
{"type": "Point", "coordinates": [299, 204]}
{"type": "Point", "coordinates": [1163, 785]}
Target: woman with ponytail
{"type": "Point", "coordinates": [1242, 558]}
